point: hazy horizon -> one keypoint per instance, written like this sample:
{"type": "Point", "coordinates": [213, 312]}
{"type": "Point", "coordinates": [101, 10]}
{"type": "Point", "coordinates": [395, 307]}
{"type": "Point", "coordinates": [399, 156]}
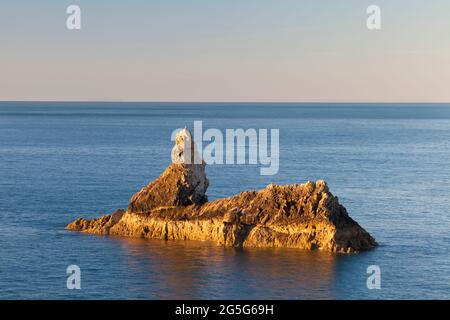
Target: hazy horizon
{"type": "Point", "coordinates": [293, 51]}
{"type": "Point", "coordinates": [226, 102]}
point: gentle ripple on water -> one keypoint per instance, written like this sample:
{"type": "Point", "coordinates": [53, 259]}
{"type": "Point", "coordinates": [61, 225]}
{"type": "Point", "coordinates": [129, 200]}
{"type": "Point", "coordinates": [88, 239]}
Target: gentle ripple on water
{"type": "Point", "coordinates": [387, 163]}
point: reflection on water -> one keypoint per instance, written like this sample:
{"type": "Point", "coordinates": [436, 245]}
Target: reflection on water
{"type": "Point", "coordinates": [60, 161]}
{"type": "Point", "coordinates": [196, 270]}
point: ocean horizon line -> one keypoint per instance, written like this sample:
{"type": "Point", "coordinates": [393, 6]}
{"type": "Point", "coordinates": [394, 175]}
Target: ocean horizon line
{"type": "Point", "coordinates": [232, 102]}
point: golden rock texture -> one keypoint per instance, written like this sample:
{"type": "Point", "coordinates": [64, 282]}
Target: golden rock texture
{"type": "Point", "coordinates": [175, 207]}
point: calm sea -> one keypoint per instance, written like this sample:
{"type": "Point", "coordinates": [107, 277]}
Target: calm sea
{"type": "Point", "coordinates": [389, 165]}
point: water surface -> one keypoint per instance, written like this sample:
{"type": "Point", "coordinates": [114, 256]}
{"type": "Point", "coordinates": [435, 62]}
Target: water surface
{"type": "Point", "coordinates": [389, 165]}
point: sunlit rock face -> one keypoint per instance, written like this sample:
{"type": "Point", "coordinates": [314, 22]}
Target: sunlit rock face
{"type": "Point", "coordinates": [183, 183]}
{"type": "Point", "coordinates": [175, 207]}
{"type": "Point", "coordinates": [185, 150]}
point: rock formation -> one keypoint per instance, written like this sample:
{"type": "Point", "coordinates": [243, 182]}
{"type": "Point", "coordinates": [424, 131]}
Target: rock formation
{"type": "Point", "coordinates": [175, 207]}
{"type": "Point", "coordinates": [183, 183]}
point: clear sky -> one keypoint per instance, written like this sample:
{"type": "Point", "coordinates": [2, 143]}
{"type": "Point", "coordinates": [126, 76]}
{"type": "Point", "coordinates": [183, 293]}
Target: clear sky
{"type": "Point", "coordinates": [226, 50]}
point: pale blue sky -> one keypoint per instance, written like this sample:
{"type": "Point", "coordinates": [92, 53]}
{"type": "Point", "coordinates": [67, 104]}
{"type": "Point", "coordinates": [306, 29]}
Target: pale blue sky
{"type": "Point", "coordinates": [227, 50]}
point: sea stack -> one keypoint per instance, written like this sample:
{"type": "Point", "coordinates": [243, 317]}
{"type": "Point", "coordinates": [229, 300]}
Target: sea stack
{"type": "Point", "coordinates": [175, 207]}
{"type": "Point", "coordinates": [182, 184]}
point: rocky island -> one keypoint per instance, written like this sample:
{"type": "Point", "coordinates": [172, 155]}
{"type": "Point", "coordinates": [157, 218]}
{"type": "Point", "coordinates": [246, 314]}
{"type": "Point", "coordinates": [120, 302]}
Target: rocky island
{"type": "Point", "coordinates": [175, 207]}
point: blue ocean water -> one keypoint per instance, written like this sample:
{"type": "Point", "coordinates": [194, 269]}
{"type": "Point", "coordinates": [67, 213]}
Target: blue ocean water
{"type": "Point", "coordinates": [389, 165]}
